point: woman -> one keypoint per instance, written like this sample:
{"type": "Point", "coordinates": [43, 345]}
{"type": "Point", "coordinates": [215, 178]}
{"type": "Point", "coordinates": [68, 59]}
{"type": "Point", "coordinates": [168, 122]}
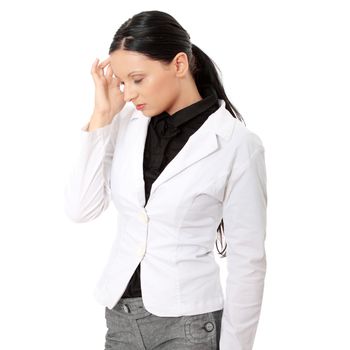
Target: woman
{"type": "Point", "coordinates": [179, 165]}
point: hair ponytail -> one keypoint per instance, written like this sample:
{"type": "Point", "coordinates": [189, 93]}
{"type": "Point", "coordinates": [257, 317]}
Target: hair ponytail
{"type": "Point", "coordinates": [205, 72]}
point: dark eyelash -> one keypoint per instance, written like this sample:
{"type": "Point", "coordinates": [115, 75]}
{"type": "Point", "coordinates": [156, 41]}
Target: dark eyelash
{"type": "Point", "coordinates": [136, 82]}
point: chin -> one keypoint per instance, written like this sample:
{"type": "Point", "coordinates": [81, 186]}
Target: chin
{"type": "Point", "coordinates": [149, 114]}
{"type": "Point", "coordinates": [144, 113]}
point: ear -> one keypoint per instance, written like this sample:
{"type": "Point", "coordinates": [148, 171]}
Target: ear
{"type": "Point", "coordinates": [180, 62]}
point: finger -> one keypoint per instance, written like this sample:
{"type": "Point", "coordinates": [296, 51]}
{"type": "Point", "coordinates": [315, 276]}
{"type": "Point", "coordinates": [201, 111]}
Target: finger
{"type": "Point", "coordinates": [115, 84]}
{"type": "Point", "coordinates": [97, 73]}
{"type": "Point", "coordinates": [105, 62]}
{"type": "Point", "coordinates": [109, 74]}
{"type": "Point", "coordinates": [95, 69]}
{"type": "Point", "coordinates": [117, 81]}
{"type": "Point", "coordinates": [93, 66]}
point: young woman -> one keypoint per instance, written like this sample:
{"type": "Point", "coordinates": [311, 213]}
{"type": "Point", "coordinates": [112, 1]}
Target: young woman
{"type": "Point", "coordinates": [166, 145]}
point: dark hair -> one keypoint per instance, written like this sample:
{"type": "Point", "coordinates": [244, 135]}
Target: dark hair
{"type": "Point", "coordinates": [159, 36]}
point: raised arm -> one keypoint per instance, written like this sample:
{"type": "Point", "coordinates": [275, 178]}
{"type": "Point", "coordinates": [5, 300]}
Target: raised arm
{"type": "Point", "coordinates": [87, 190]}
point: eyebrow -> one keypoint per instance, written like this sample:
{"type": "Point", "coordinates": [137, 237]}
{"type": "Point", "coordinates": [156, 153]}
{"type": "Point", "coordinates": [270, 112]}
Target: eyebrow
{"type": "Point", "coordinates": [134, 71]}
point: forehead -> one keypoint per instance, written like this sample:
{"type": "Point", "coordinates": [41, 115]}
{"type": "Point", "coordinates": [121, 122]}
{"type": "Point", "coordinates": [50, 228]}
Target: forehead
{"type": "Point", "coordinates": [123, 62]}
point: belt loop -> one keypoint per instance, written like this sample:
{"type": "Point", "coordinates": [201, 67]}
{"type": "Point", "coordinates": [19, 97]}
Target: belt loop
{"type": "Point", "coordinates": [126, 308]}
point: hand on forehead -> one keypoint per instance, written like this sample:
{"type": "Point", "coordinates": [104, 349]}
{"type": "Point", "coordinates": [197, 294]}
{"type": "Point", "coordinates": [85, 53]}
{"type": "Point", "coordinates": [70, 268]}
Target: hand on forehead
{"type": "Point", "coordinates": [105, 62]}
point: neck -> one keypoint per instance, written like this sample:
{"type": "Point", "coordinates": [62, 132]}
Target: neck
{"type": "Point", "coordinates": [189, 95]}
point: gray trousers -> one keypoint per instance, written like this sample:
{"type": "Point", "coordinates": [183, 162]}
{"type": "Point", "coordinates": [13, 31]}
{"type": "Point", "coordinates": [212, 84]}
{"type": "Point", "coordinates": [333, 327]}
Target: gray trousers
{"type": "Point", "coordinates": [131, 327]}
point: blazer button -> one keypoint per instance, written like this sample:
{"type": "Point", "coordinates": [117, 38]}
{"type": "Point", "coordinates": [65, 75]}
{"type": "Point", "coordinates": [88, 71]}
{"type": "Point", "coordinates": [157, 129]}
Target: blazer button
{"type": "Point", "coordinates": [143, 216]}
{"type": "Point", "coordinates": [209, 326]}
{"type": "Point", "coordinates": [141, 249]}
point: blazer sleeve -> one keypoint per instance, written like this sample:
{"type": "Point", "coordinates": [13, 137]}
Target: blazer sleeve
{"type": "Point", "coordinates": [244, 215]}
{"type": "Point", "coordinates": [87, 191]}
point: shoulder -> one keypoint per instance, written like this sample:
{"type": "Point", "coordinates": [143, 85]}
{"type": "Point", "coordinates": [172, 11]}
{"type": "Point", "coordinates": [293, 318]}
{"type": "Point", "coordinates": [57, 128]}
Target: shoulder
{"type": "Point", "coordinates": [236, 134]}
{"type": "Point", "coordinates": [119, 122]}
{"type": "Point", "coordinates": [126, 113]}
{"type": "Point", "coordinates": [121, 119]}
{"type": "Point", "coordinates": [244, 143]}
{"type": "Point", "coordinates": [247, 138]}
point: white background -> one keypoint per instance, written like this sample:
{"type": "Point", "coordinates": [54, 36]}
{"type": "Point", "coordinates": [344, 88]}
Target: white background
{"type": "Point", "coordinates": [285, 66]}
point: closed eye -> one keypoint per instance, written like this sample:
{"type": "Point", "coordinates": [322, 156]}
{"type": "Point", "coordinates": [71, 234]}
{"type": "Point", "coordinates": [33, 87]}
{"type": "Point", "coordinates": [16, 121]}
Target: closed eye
{"type": "Point", "coordinates": [136, 82]}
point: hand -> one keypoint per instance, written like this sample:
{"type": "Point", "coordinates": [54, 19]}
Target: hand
{"type": "Point", "coordinates": [109, 99]}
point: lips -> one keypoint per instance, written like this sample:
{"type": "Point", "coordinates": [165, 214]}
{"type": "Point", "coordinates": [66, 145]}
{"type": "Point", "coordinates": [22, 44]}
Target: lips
{"type": "Point", "coordinates": [140, 106]}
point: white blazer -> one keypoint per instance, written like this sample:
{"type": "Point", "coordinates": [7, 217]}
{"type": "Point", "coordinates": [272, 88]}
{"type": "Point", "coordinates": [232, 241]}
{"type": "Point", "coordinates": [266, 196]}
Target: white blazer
{"type": "Point", "coordinates": [219, 173]}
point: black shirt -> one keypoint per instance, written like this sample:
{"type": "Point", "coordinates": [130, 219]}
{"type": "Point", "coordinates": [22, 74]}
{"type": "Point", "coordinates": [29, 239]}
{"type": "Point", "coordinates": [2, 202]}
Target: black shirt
{"type": "Point", "coordinates": [166, 135]}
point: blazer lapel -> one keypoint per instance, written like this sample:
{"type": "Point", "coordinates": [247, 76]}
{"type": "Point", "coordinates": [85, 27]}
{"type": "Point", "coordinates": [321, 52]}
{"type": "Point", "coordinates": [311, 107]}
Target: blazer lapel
{"type": "Point", "coordinates": [200, 144]}
{"type": "Point", "coordinates": [137, 132]}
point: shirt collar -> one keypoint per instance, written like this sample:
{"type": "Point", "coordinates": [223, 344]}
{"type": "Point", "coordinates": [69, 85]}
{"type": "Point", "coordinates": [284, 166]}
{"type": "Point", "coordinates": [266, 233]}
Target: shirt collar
{"type": "Point", "coordinates": [185, 114]}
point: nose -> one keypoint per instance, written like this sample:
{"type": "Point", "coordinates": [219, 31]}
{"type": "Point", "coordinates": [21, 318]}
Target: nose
{"type": "Point", "coordinates": [128, 94]}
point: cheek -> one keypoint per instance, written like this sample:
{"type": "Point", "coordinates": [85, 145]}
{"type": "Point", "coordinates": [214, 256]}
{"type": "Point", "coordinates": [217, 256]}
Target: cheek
{"type": "Point", "coordinates": [162, 88]}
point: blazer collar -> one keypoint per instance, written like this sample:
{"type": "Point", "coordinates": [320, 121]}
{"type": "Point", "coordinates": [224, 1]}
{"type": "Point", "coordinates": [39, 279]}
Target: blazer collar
{"type": "Point", "coordinates": [200, 144]}
{"type": "Point", "coordinates": [221, 121]}
{"type": "Point", "coordinates": [185, 114]}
